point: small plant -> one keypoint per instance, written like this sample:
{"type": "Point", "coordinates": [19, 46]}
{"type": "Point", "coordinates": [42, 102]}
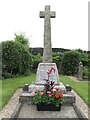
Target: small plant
{"type": "Point", "coordinates": [49, 95]}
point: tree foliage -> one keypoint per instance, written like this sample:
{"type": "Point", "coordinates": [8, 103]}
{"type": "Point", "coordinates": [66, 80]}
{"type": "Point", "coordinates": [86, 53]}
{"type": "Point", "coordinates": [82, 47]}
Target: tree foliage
{"type": "Point", "coordinates": [15, 58]}
{"type": "Point", "coordinates": [70, 63]}
{"type": "Point", "coordinates": [21, 38]}
{"type": "Point", "coordinates": [36, 60]}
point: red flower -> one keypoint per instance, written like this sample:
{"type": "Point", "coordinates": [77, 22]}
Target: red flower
{"type": "Point", "coordinates": [57, 89]}
{"type": "Point", "coordinates": [57, 96]}
{"type": "Point", "coordinates": [61, 95]}
{"type": "Point", "coordinates": [41, 93]}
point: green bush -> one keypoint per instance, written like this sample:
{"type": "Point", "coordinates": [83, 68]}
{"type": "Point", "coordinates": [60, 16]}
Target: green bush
{"type": "Point", "coordinates": [57, 59]}
{"type": "Point", "coordinates": [15, 59]}
{"type": "Point", "coordinates": [36, 60]}
{"type": "Point", "coordinates": [6, 75]}
{"type": "Point", "coordinates": [83, 57]}
{"type": "Point", "coordinates": [86, 62]}
{"type": "Point", "coordinates": [70, 63]}
{"type": "Point", "coordinates": [86, 73]}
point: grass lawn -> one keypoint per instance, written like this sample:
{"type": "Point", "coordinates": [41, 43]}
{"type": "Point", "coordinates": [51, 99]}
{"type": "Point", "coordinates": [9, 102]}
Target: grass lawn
{"type": "Point", "coordinates": [9, 86]}
{"type": "Point", "coordinates": [81, 88]}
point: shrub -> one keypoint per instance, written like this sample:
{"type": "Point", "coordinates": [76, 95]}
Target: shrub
{"type": "Point", "coordinates": [86, 73]}
{"type": "Point", "coordinates": [70, 63]}
{"type": "Point", "coordinates": [36, 60]}
{"type": "Point", "coordinates": [57, 59]}
{"type": "Point", "coordinates": [15, 58]}
{"type": "Point", "coordinates": [7, 75]}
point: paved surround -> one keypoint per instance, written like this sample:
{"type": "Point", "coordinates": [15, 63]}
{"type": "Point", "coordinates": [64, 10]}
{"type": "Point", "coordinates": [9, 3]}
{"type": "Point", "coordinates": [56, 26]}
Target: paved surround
{"type": "Point", "coordinates": [30, 111]}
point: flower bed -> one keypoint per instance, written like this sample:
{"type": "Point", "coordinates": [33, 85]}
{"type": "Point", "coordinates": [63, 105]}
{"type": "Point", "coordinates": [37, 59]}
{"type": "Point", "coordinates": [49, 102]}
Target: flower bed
{"type": "Point", "coordinates": [50, 96]}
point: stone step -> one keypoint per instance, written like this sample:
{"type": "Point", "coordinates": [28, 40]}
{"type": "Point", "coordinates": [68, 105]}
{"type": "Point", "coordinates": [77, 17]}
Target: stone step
{"type": "Point", "coordinates": [27, 97]}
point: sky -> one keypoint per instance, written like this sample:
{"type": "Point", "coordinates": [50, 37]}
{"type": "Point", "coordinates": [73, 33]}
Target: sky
{"type": "Point", "coordinates": [69, 29]}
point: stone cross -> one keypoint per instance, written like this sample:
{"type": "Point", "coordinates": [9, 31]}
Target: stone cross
{"type": "Point", "coordinates": [47, 14]}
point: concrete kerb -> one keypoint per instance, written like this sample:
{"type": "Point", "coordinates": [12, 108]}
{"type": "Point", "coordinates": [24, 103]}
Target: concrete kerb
{"type": "Point", "coordinates": [16, 111]}
{"type": "Point", "coordinates": [79, 112]}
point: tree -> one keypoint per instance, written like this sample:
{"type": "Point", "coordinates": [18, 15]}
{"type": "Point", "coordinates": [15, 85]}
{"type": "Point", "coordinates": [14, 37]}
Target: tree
{"type": "Point", "coordinates": [21, 38]}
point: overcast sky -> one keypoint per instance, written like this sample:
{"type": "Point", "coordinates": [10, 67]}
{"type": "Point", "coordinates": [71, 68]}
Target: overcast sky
{"type": "Point", "coordinates": [68, 30]}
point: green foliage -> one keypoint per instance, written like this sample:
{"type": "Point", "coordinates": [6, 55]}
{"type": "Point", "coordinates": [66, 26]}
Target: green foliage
{"type": "Point", "coordinates": [49, 95]}
{"type": "Point", "coordinates": [36, 60]}
{"type": "Point", "coordinates": [15, 59]}
{"type": "Point", "coordinates": [70, 62]}
{"type": "Point", "coordinates": [83, 56]}
{"type": "Point", "coordinates": [39, 50]}
{"type": "Point", "coordinates": [86, 73]}
{"type": "Point", "coordinates": [57, 57]}
{"type": "Point", "coordinates": [45, 98]}
{"type": "Point", "coordinates": [36, 51]}
{"type": "Point", "coordinates": [21, 38]}
{"type": "Point", "coordinates": [6, 75]}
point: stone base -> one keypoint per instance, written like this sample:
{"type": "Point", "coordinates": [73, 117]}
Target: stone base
{"type": "Point", "coordinates": [26, 97]}
{"type": "Point", "coordinates": [35, 87]}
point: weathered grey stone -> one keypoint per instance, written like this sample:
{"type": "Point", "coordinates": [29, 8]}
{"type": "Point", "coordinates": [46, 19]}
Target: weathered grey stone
{"type": "Point", "coordinates": [30, 111]}
{"type": "Point", "coordinates": [69, 98]}
{"type": "Point", "coordinates": [42, 73]}
{"type": "Point", "coordinates": [47, 54]}
{"type": "Point", "coordinates": [16, 111]}
{"type": "Point", "coordinates": [80, 71]}
{"type": "Point", "coordinates": [34, 87]}
{"type": "Point", "coordinates": [26, 97]}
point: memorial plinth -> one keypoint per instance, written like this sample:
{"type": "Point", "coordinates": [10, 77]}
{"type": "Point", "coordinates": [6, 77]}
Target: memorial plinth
{"type": "Point", "coordinates": [42, 75]}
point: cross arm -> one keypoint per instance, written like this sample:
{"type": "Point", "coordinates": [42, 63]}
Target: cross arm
{"type": "Point", "coordinates": [53, 14]}
{"type": "Point", "coordinates": [42, 14]}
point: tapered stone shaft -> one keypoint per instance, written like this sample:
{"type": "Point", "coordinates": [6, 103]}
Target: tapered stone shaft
{"type": "Point", "coordinates": [47, 53]}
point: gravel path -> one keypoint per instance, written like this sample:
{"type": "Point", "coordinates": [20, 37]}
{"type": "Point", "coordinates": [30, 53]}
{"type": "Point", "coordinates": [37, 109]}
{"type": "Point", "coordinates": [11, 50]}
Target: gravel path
{"type": "Point", "coordinates": [7, 111]}
{"type": "Point", "coordinates": [75, 79]}
{"type": "Point", "coordinates": [81, 104]}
